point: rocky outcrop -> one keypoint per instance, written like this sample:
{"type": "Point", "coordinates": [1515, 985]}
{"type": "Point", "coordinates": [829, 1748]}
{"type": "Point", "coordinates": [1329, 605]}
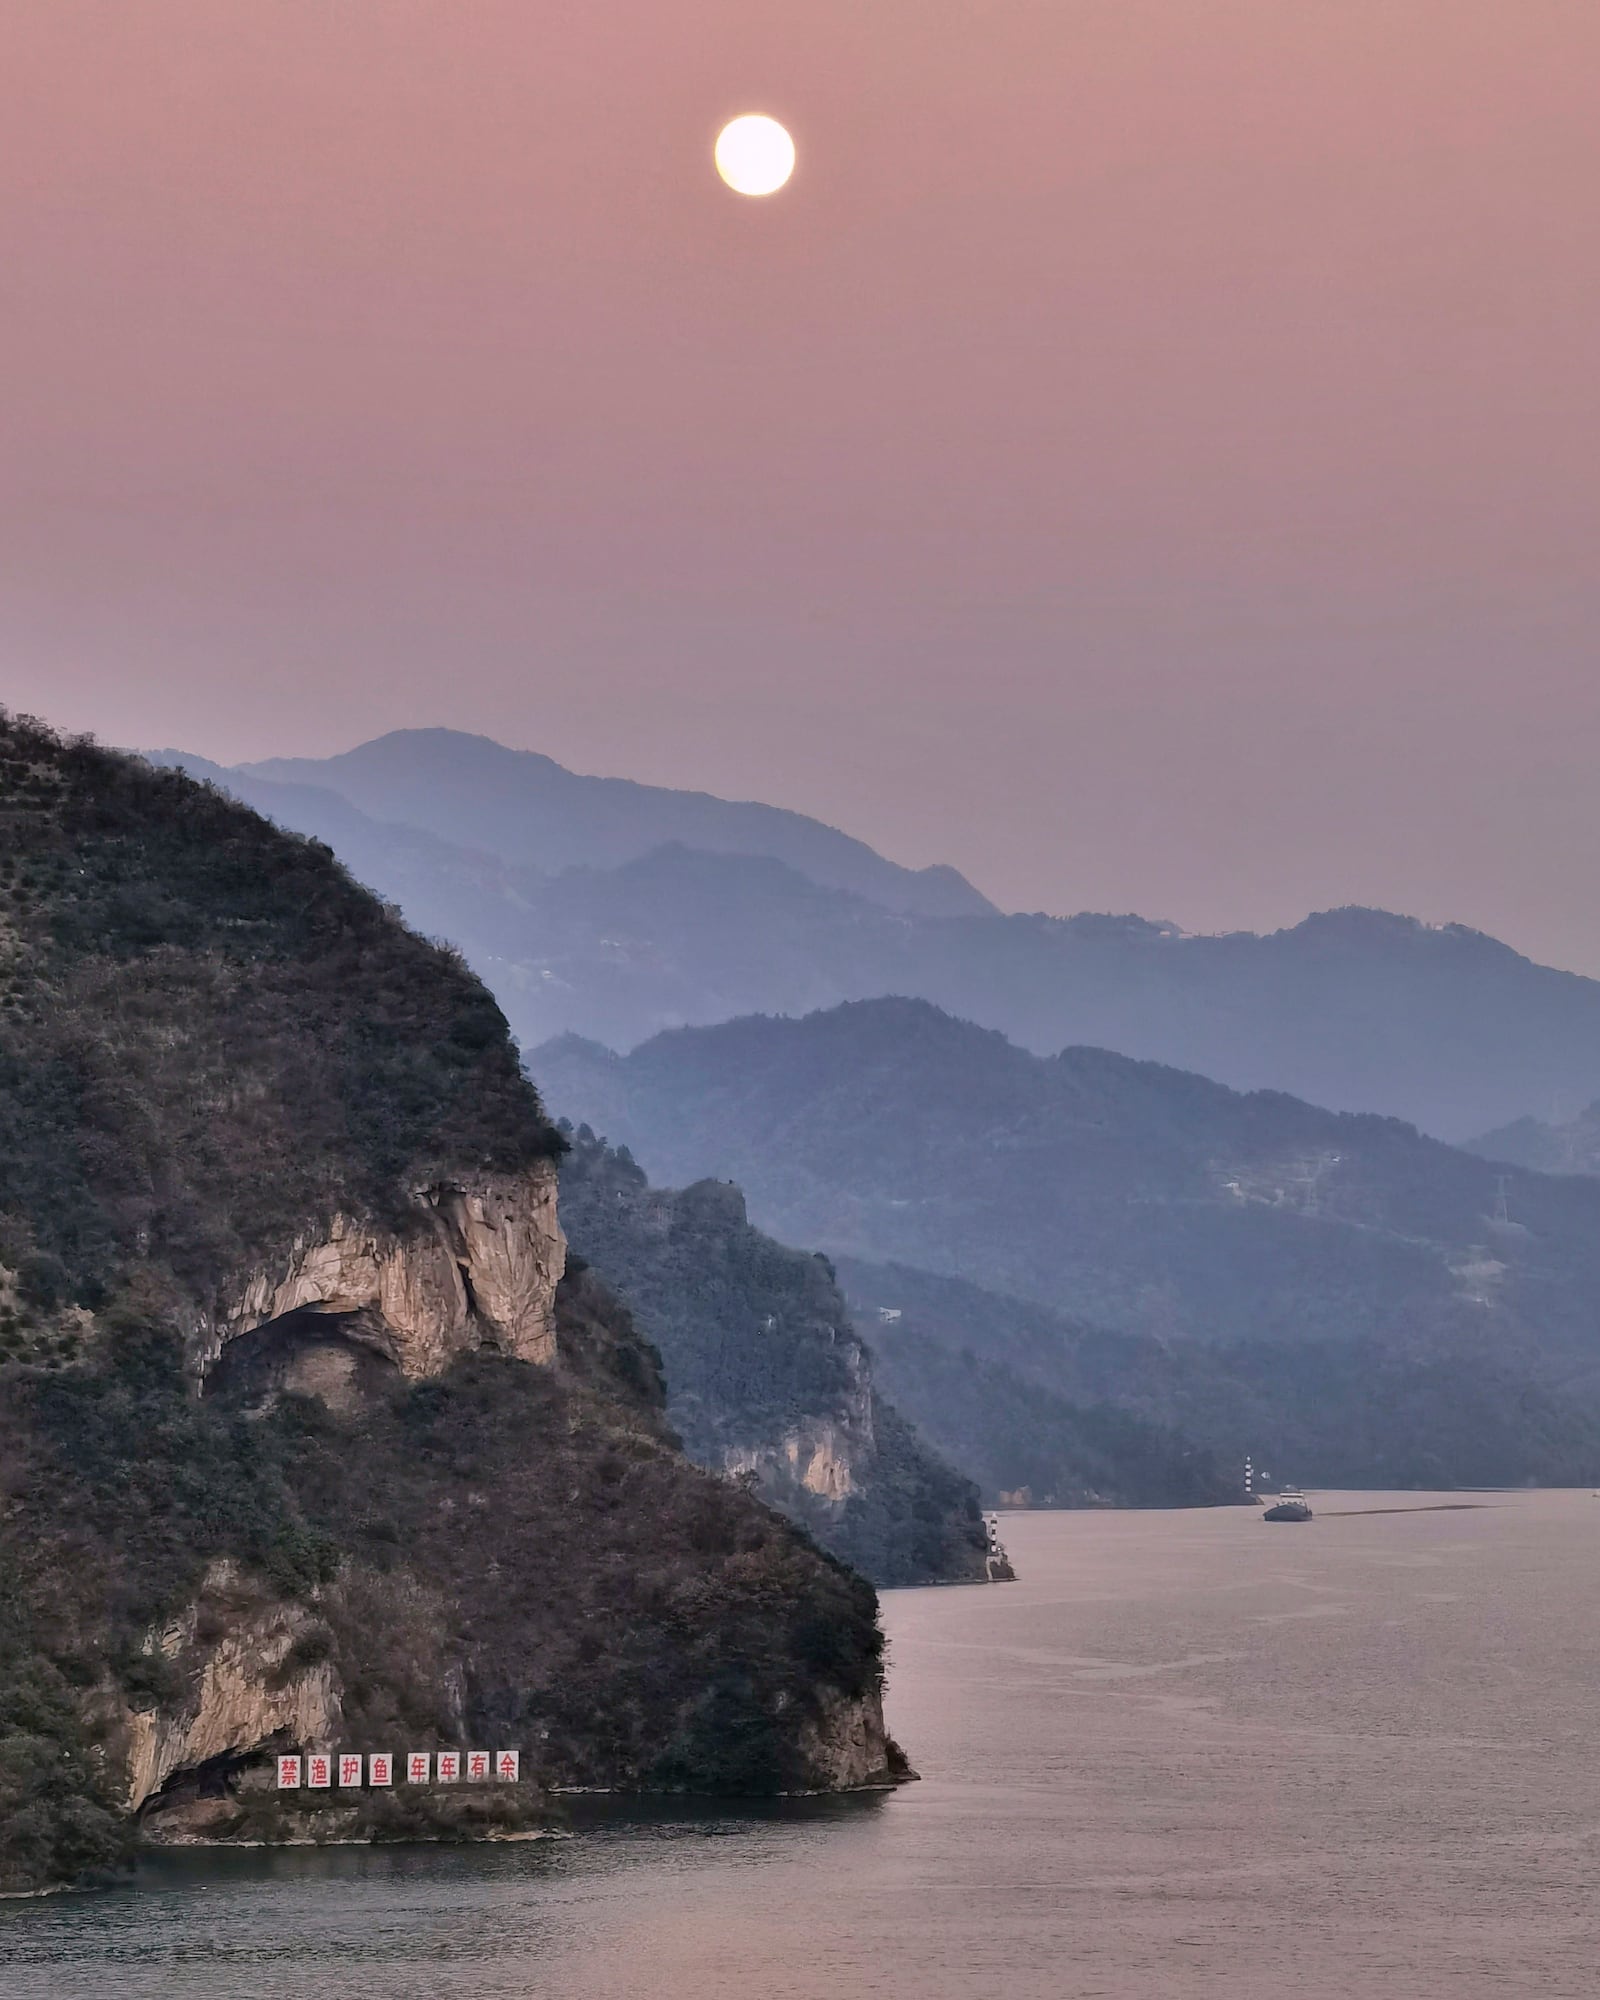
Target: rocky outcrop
{"type": "Point", "coordinates": [768, 1380]}
{"type": "Point", "coordinates": [821, 1459]}
{"type": "Point", "coordinates": [253, 1671]}
{"type": "Point", "coordinates": [477, 1267]}
{"type": "Point", "coordinates": [849, 1748]}
{"type": "Point", "coordinates": [827, 1468]}
{"type": "Point", "coordinates": [302, 1443]}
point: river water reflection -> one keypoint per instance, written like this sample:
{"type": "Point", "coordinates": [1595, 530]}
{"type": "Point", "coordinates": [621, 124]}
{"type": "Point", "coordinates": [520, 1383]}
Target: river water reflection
{"type": "Point", "coordinates": [1187, 1757]}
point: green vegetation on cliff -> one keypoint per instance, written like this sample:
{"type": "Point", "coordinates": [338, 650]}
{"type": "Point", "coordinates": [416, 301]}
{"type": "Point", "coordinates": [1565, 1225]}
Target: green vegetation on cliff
{"type": "Point", "coordinates": [766, 1373]}
{"type": "Point", "coordinates": [499, 1555]}
{"type": "Point", "coordinates": [209, 1034]}
{"type": "Point", "coordinates": [211, 1041]}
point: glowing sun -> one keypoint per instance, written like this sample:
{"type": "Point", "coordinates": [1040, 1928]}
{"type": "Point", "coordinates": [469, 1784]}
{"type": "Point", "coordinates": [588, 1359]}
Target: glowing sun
{"type": "Point", "coordinates": [755, 155]}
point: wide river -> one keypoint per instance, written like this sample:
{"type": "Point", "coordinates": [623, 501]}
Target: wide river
{"type": "Point", "coordinates": [1187, 1754]}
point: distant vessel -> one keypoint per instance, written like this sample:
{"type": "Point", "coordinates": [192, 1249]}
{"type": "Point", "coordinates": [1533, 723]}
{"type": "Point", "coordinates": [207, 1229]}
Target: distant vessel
{"type": "Point", "coordinates": [1289, 1507]}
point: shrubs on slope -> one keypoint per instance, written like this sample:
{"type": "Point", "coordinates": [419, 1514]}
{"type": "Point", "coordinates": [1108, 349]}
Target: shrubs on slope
{"type": "Point", "coordinates": [209, 1037]}
{"type": "Point", "coordinates": [764, 1366]}
{"type": "Point", "coordinates": [162, 951]}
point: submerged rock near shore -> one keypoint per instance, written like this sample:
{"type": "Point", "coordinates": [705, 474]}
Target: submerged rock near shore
{"type": "Point", "coordinates": [306, 1440]}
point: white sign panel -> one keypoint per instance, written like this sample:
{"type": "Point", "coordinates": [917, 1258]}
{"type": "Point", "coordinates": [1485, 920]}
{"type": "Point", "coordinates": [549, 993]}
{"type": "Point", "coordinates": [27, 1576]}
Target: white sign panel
{"type": "Point", "coordinates": [448, 1766]}
{"type": "Point", "coordinates": [419, 1767]}
{"type": "Point", "coordinates": [319, 1770]}
{"type": "Point", "coordinates": [288, 1774]}
{"type": "Point", "coordinates": [380, 1768]}
{"type": "Point", "coordinates": [477, 1766]}
{"type": "Point", "coordinates": [506, 1765]}
{"type": "Point", "coordinates": [351, 1767]}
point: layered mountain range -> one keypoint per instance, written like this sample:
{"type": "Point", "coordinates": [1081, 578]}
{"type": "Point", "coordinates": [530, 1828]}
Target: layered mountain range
{"type": "Point", "coordinates": [1380, 1307]}
{"type": "Point", "coordinates": [616, 910]}
{"type": "Point", "coordinates": [1043, 1247]}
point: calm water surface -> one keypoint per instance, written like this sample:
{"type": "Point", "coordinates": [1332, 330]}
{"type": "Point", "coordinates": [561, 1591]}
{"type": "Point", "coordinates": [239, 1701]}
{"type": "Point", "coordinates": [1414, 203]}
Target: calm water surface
{"type": "Point", "coordinates": [1187, 1755]}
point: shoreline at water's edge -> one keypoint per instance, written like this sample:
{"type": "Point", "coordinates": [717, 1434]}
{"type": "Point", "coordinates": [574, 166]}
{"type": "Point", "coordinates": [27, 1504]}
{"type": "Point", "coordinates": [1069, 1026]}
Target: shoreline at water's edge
{"type": "Point", "coordinates": [882, 1782]}
{"type": "Point", "coordinates": [342, 1840]}
{"type": "Point", "coordinates": [886, 1781]}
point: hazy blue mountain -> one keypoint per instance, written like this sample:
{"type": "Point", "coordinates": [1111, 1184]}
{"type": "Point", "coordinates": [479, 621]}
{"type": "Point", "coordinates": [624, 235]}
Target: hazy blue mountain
{"type": "Point", "coordinates": [1313, 1255]}
{"type": "Point", "coordinates": [675, 937]}
{"type": "Point", "coordinates": [1019, 1396]}
{"type": "Point", "coordinates": [534, 812]}
{"type": "Point", "coordinates": [474, 900]}
{"type": "Point", "coordinates": [1570, 1146]}
{"type": "Point", "coordinates": [766, 1374]}
{"type": "Point", "coordinates": [1040, 1409]}
{"type": "Point", "coordinates": [1355, 1009]}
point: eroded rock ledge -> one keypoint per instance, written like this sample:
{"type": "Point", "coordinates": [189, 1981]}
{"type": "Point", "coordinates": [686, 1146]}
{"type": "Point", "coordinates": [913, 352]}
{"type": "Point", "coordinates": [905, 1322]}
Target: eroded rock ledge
{"type": "Point", "coordinates": [478, 1267]}
{"type": "Point", "coordinates": [251, 1683]}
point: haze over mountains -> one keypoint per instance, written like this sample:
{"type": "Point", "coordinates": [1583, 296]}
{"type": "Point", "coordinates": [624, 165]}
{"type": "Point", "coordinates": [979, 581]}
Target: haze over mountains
{"type": "Point", "coordinates": [1091, 1237]}
{"type": "Point", "coordinates": [1315, 1256]}
{"type": "Point", "coordinates": [530, 809]}
{"type": "Point", "coordinates": [617, 910]}
{"type": "Point", "coordinates": [1571, 1146]}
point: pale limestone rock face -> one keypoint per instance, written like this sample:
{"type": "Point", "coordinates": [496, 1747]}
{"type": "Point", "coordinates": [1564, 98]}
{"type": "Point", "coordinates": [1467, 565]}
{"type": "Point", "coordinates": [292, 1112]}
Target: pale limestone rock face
{"type": "Point", "coordinates": [479, 1267]}
{"type": "Point", "coordinates": [847, 1745]}
{"type": "Point", "coordinates": [821, 1461]}
{"type": "Point", "coordinates": [825, 1456]}
{"type": "Point", "coordinates": [240, 1698]}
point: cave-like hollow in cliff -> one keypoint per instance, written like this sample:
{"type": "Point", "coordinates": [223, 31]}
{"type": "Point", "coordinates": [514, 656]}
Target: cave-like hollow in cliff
{"type": "Point", "coordinates": [339, 1357]}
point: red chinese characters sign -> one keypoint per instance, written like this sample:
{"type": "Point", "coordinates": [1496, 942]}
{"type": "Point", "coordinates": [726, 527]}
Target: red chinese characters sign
{"type": "Point", "coordinates": [350, 1769]}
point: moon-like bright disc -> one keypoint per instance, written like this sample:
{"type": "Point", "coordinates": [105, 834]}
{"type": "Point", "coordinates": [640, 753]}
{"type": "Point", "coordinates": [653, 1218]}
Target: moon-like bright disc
{"type": "Point", "coordinates": [755, 155]}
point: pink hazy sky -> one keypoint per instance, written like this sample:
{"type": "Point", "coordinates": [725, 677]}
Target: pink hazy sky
{"type": "Point", "coordinates": [1148, 457]}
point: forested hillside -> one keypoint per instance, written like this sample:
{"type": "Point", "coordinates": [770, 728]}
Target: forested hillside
{"type": "Point", "coordinates": [1568, 1147]}
{"type": "Point", "coordinates": [303, 1436]}
{"type": "Point", "coordinates": [1041, 1410]}
{"type": "Point", "coordinates": [1333, 1266]}
{"type": "Point", "coordinates": [766, 1374]}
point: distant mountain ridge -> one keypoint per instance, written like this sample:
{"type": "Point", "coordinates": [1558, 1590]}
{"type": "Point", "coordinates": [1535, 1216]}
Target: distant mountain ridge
{"type": "Point", "coordinates": [1041, 1410]}
{"type": "Point", "coordinates": [1299, 1247]}
{"type": "Point", "coordinates": [1571, 1146]}
{"type": "Point", "coordinates": [1019, 1394]}
{"type": "Point", "coordinates": [1358, 1010]}
{"type": "Point", "coordinates": [534, 812]}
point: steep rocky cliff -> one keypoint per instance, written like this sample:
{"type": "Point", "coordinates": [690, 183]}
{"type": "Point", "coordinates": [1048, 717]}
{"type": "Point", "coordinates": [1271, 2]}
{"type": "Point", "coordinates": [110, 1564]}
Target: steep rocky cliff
{"type": "Point", "coordinates": [305, 1439]}
{"type": "Point", "coordinates": [766, 1374]}
{"type": "Point", "coordinates": [476, 1267]}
